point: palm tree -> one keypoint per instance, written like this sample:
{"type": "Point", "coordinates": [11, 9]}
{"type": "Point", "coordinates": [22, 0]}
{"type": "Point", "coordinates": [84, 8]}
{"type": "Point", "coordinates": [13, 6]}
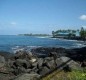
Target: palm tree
{"type": "Point", "coordinates": [82, 33]}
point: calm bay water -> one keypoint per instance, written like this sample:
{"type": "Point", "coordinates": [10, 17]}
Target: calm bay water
{"type": "Point", "coordinates": [8, 43]}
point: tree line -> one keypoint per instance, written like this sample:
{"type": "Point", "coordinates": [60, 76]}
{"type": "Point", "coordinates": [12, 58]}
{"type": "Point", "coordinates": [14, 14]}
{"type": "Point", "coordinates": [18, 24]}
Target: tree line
{"type": "Point", "coordinates": [71, 33]}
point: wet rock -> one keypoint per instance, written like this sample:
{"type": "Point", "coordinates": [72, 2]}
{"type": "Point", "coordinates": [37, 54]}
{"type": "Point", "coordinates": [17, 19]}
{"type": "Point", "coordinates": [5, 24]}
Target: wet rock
{"type": "Point", "coordinates": [28, 77]}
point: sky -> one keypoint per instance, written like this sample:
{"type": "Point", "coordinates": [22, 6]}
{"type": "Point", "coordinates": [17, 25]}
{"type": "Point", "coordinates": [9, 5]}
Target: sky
{"type": "Point", "coordinates": [41, 16]}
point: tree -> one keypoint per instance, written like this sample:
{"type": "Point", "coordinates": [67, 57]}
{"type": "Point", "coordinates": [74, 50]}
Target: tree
{"type": "Point", "coordinates": [83, 33]}
{"type": "Point", "coordinates": [53, 33]}
{"type": "Point", "coordinates": [71, 35]}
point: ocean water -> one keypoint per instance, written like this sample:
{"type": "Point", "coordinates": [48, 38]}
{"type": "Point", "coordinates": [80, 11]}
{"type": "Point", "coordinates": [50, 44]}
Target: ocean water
{"type": "Point", "coordinates": [11, 42]}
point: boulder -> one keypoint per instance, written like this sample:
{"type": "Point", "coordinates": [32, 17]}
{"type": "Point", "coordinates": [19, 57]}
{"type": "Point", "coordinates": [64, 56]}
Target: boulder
{"type": "Point", "coordinates": [32, 60]}
{"type": "Point", "coordinates": [28, 77]}
{"type": "Point", "coordinates": [48, 58]}
{"type": "Point", "coordinates": [22, 54]}
{"type": "Point", "coordinates": [71, 63]}
{"type": "Point", "coordinates": [83, 64]}
{"type": "Point", "coordinates": [43, 71]}
{"type": "Point", "coordinates": [2, 61]}
{"type": "Point", "coordinates": [23, 63]}
{"type": "Point", "coordinates": [18, 71]}
{"type": "Point", "coordinates": [64, 59]}
{"type": "Point", "coordinates": [74, 65]}
{"type": "Point", "coordinates": [58, 62]}
{"type": "Point", "coordinates": [40, 63]}
{"type": "Point", "coordinates": [54, 54]}
{"type": "Point", "coordinates": [29, 70]}
{"type": "Point", "coordinates": [51, 64]}
{"type": "Point", "coordinates": [34, 64]}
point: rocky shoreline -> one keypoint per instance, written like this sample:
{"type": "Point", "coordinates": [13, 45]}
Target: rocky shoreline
{"type": "Point", "coordinates": [37, 63]}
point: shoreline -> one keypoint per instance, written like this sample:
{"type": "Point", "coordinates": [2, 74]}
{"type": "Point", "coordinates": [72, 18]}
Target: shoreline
{"type": "Point", "coordinates": [40, 61]}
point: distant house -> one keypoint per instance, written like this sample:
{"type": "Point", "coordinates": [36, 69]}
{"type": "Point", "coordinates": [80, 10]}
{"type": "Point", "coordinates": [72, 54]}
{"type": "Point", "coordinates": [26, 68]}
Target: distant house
{"type": "Point", "coordinates": [61, 34]}
{"type": "Point", "coordinates": [77, 34]}
{"type": "Point", "coordinates": [66, 34]}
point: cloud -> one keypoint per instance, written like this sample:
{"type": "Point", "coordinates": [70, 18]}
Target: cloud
{"type": "Point", "coordinates": [13, 23]}
{"type": "Point", "coordinates": [83, 17]}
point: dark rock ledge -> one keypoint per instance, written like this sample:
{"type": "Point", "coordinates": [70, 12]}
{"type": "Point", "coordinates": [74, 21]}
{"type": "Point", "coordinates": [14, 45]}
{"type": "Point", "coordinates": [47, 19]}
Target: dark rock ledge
{"type": "Point", "coordinates": [26, 65]}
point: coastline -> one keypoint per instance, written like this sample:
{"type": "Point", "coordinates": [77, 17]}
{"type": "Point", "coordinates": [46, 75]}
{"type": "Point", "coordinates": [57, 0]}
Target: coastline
{"type": "Point", "coordinates": [41, 61]}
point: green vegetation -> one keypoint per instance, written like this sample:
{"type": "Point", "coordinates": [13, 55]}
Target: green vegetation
{"type": "Point", "coordinates": [83, 33]}
{"type": "Point", "coordinates": [71, 33]}
{"type": "Point", "coordinates": [68, 33]}
{"type": "Point", "coordinates": [74, 75]}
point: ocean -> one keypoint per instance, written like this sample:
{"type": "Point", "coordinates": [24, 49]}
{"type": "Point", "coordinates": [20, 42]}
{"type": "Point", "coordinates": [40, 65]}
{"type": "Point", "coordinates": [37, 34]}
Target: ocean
{"type": "Point", "coordinates": [11, 42]}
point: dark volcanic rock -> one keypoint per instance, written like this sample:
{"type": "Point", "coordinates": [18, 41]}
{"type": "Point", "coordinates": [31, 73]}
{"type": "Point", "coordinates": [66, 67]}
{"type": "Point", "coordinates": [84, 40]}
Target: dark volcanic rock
{"type": "Point", "coordinates": [78, 54]}
{"type": "Point", "coordinates": [70, 63]}
{"type": "Point", "coordinates": [23, 63]}
{"type": "Point", "coordinates": [28, 77]}
{"type": "Point", "coordinates": [6, 55]}
{"type": "Point", "coordinates": [45, 52]}
{"type": "Point", "coordinates": [50, 64]}
{"type": "Point", "coordinates": [2, 61]}
{"type": "Point", "coordinates": [43, 70]}
{"type": "Point", "coordinates": [83, 64]}
{"type": "Point", "coordinates": [58, 62]}
{"type": "Point", "coordinates": [40, 63]}
{"type": "Point", "coordinates": [49, 59]}
{"type": "Point", "coordinates": [54, 54]}
{"type": "Point", "coordinates": [22, 54]}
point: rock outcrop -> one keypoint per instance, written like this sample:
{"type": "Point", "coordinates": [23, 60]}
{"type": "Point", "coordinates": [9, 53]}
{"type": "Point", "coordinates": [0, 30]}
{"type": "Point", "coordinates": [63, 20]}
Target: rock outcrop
{"type": "Point", "coordinates": [26, 65]}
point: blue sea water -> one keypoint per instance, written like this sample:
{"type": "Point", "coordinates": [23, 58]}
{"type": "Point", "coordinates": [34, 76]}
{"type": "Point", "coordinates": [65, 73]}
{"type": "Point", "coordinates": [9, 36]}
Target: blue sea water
{"type": "Point", "coordinates": [10, 42]}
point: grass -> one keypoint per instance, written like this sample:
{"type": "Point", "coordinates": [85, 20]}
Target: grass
{"type": "Point", "coordinates": [61, 75]}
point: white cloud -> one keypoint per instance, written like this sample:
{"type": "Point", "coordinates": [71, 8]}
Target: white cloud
{"type": "Point", "coordinates": [83, 17]}
{"type": "Point", "coordinates": [13, 23]}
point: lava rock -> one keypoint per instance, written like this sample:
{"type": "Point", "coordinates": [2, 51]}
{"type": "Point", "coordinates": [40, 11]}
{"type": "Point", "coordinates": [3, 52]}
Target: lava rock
{"type": "Point", "coordinates": [51, 64]}
{"type": "Point", "coordinates": [40, 63]}
{"type": "Point", "coordinates": [23, 63]}
{"type": "Point", "coordinates": [71, 63]}
{"type": "Point", "coordinates": [28, 77]}
{"type": "Point", "coordinates": [43, 71]}
{"type": "Point", "coordinates": [2, 59]}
